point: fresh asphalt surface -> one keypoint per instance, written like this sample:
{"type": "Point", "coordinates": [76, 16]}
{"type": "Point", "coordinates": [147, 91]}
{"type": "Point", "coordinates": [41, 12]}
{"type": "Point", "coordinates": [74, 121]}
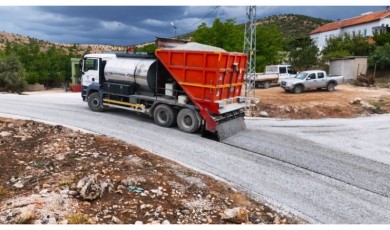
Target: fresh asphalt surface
{"type": "Point", "coordinates": [325, 171]}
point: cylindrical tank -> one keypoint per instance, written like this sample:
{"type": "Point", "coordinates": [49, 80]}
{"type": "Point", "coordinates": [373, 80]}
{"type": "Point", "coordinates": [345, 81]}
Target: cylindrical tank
{"type": "Point", "coordinates": [141, 71]}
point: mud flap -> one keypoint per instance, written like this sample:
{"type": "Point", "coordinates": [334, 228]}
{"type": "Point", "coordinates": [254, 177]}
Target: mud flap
{"type": "Point", "coordinates": [231, 127]}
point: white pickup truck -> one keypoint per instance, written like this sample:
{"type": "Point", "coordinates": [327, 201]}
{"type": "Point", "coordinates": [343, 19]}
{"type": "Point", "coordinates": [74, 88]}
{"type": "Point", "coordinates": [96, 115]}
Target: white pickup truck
{"type": "Point", "coordinates": [313, 79]}
{"type": "Point", "coordinates": [274, 74]}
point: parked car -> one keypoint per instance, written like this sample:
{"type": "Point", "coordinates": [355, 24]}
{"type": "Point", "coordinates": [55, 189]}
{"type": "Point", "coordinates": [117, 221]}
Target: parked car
{"type": "Point", "coordinates": [313, 79]}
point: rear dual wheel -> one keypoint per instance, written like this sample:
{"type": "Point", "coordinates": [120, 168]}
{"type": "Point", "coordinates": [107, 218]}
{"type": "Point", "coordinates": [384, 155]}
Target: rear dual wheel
{"type": "Point", "coordinates": [187, 121]}
{"type": "Point", "coordinates": [164, 115]}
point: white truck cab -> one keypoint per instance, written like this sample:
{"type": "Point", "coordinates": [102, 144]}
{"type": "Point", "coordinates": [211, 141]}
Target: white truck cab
{"type": "Point", "coordinates": [274, 74]}
{"type": "Point", "coordinates": [89, 67]}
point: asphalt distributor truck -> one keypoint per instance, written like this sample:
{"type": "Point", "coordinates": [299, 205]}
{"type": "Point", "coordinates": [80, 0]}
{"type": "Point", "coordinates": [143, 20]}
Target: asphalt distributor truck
{"type": "Point", "coordinates": [195, 86]}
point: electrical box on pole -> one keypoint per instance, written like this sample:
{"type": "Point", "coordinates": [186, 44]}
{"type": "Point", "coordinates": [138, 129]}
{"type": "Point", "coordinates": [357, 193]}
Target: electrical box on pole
{"type": "Point", "coordinates": [250, 49]}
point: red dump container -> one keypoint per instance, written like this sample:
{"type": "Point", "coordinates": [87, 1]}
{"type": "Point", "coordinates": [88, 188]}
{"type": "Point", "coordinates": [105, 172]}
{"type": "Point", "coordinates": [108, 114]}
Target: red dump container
{"type": "Point", "coordinates": [212, 80]}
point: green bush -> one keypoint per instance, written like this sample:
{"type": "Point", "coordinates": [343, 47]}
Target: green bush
{"type": "Point", "coordinates": [12, 75]}
{"type": "Point", "coordinates": [380, 57]}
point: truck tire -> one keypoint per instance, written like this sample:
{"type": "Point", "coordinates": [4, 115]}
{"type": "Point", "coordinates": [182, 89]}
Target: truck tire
{"type": "Point", "coordinates": [94, 102]}
{"type": "Point", "coordinates": [164, 115]}
{"type": "Point", "coordinates": [298, 89]}
{"type": "Point", "coordinates": [187, 121]}
{"type": "Point", "coordinates": [331, 86]}
{"type": "Point", "coordinates": [266, 85]}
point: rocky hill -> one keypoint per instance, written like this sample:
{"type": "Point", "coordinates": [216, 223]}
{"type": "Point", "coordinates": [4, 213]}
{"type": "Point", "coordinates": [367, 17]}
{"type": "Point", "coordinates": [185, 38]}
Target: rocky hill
{"type": "Point", "coordinates": [292, 25]}
{"type": "Point", "coordinates": [81, 48]}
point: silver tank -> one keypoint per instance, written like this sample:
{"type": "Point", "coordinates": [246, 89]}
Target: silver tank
{"type": "Point", "coordinates": [138, 70]}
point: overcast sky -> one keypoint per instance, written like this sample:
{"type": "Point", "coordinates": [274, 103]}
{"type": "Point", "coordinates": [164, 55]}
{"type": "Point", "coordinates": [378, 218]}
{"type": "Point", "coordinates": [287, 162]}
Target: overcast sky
{"type": "Point", "coordinates": [125, 25]}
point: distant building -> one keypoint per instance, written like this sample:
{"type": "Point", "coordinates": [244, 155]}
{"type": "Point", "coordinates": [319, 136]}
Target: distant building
{"type": "Point", "coordinates": [366, 25]}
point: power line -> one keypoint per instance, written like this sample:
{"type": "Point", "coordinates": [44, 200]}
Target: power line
{"type": "Point", "coordinates": [200, 19]}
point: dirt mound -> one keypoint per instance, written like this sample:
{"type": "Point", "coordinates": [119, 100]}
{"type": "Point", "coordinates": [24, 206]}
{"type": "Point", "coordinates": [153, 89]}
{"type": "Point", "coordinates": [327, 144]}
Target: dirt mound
{"type": "Point", "coordinates": [323, 104]}
{"type": "Point", "coordinates": [51, 174]}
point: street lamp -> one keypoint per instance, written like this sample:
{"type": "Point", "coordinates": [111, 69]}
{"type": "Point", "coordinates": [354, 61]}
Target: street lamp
{"type": "Point", "coordinates": [174, 27]}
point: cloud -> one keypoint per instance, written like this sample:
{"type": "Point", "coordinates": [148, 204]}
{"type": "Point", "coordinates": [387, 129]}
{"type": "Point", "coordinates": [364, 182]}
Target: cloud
{"type": "Point", "coordinates": [113, 25]}
{"type": "Point", "coordinates": [154, 22]}
{"type": "Point", "coordinates": [120, 25]}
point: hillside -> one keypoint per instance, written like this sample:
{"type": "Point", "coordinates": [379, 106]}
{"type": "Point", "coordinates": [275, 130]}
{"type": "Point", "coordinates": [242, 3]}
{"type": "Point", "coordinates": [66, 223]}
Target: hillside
{"type": "Point", "coordinates": [81, 48]}
{"type": "Point", "coordinates": [292, 25]}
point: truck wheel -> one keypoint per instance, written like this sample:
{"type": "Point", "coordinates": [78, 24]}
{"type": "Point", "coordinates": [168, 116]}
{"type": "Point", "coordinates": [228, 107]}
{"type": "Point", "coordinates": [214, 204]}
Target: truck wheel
{"type": "Point", "coordinates": [266, 85]}
{"type": "Point", "coordinates": [330, 87]}
{"type": "Point", "coordinates": [94, 102]}
{"type": "Point", "coordinates": [164, 115]}
{"type": "Point", "coordinates": [187, 121]}
{"type": "Point", "coordinates": [298, 89]}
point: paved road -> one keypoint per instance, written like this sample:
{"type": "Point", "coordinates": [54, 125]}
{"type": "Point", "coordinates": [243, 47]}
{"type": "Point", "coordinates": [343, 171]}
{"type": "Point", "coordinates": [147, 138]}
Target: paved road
{"type": "Point", "coordinates": [326, 171]}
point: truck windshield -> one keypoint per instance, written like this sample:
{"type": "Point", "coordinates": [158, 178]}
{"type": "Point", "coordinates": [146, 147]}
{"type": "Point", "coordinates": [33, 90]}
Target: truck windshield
{"type": "Point", "coordinates": [301, 76]}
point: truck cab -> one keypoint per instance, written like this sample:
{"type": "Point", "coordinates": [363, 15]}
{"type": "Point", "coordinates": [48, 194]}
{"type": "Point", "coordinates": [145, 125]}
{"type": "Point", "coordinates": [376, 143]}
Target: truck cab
{"type": "Point", "coordinates": [283, 71]}
{"type": "Point", "coordinates": [91, 68]}
{"type": "Point", "coordinates": [273, 75]}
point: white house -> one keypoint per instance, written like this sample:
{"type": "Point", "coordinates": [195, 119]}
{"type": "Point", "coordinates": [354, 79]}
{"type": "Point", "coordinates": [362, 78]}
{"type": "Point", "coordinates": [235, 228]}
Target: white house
{"type": "Point", "coordinates": [366, 24]}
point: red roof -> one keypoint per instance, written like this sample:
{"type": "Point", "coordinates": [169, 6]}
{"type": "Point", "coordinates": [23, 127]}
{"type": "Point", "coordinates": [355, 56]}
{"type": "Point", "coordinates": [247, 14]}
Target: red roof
{"type": "Point", "coordinates": [352, 21]}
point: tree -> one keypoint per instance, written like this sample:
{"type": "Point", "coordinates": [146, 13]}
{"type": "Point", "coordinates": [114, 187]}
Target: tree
{"type": "Point", "coordinates": [342, 46]}
{"type": "Point", "coordinates": [380, 57]}
{"type": "Point", "coordinates": [12, 75]}
{"type": "Point", "coordinates": [226, 35]}
{"type": "Point", "coordinates": [303, 53]}
{"type": "Point", "coordinates": [269, 44]}
{"type": "Point", "coordinates": [147, 48]}
{"type": "Point", "coordinates": [381, 38]}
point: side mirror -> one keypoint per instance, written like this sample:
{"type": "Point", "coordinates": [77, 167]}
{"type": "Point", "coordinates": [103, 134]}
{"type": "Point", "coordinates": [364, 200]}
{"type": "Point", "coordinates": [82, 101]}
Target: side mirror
{"type": "Point", "coordinates": [81, 66]}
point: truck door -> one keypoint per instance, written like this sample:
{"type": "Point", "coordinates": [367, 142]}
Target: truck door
{"type": "Point", "coordinates": [90, 71]}
{"type": "Point", "coordinates": [311, 81]}
{"type": "Point", "coordinates": [282, 73]}
{"type": "Point", "coordinates": [321, 82]}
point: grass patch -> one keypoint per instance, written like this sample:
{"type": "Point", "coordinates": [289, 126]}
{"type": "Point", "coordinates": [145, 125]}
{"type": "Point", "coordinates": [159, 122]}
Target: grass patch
{"type": "Point", "coordinates": [65, 182]}
{"type": "Point", "coordinates": [3, 191]}
{"type": "Point", "coordinates": [380, 105]}
{"type": "Point", "coordinates": [78, 218]}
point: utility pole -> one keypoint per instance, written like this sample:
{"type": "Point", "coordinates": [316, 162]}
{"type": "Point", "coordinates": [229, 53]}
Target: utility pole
{"type": "Point", "coordinates": [250, 49]}
{"type": "Point", "coordinates": [174, 27]}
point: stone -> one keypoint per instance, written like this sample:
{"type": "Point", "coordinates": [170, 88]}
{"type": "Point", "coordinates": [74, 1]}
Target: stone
{"type": "Point", "coordinates": [166, 222]}
{"type": "Point", "coordinates": [138, 222]}
{"type": "Point", "coordinates": [367, 105]}
{"type": "Point", "coordinates": [263, 114]}
{"type": "Point", "coordinates": [5, 134]}
{"type": "Point", "coordinates": [235, 215]}
{"type": "Point", "coordinates": [52, 220]}
{"type": "Point", "coordinates": [86, 204]}
{"type": "Point", "coordinates": [120, 187]}
{"type": "Point", "coordinates": [46, 186]}
{"type": "Point", "coordinates": [18, 184]}
{"type": "Point", "coordinates": [72, 193]}
{"type": "Point", "coordinates": [356, 101]}
{"type": "Point", "coordinates": [116, 220]}
{"type": "Point", "coordinates": [63, 222]}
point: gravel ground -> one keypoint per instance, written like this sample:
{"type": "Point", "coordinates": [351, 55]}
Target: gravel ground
{"type": "Point", "coordinates": [51, 174]}
{"type": "Point", "coordinates": [265, 169]}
